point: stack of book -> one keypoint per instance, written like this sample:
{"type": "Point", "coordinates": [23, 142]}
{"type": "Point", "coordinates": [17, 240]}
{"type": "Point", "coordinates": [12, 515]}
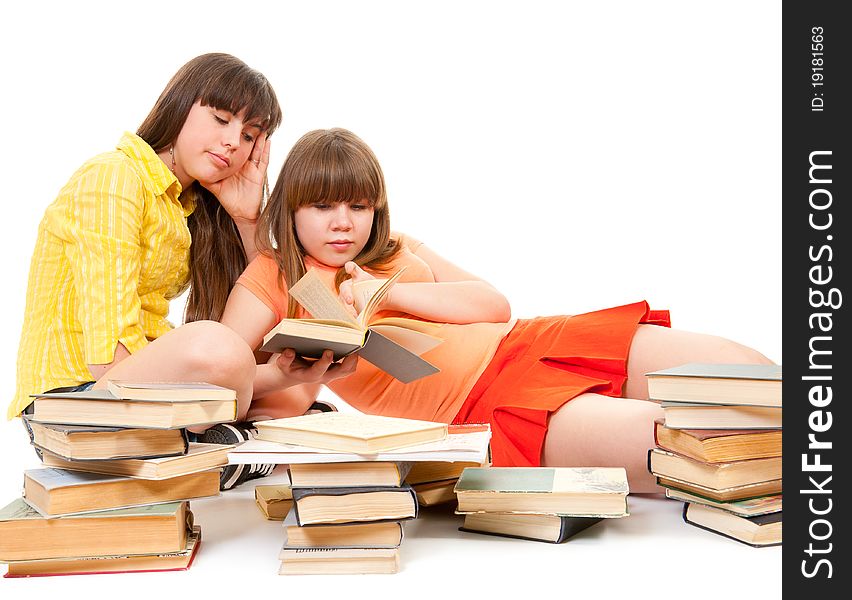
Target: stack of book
{"type": "Point", "coordinates": [348, 484]}
{"type": "Point", "coordinates": [719, 447]}
{"type": "Point", "coordinates": [549, 504]}
{"type": "Point", "coordinates": [119, 473]}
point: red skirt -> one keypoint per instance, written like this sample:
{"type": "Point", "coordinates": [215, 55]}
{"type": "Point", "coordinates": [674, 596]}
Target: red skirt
{"type": "Point", "coordinates": [542, 364]}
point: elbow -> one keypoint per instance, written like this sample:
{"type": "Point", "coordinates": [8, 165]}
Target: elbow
{"type": "Point", "coordinates": [498, 308]}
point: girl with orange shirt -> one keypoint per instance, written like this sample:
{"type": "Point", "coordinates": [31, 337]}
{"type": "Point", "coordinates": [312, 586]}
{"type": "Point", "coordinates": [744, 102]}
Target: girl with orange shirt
{"type": "Point", "coordinates": [558, 391]}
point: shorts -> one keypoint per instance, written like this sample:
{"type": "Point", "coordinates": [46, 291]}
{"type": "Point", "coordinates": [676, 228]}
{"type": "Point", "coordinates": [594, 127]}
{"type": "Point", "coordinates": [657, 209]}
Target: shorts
{"type": "Point", "coordinates": [542, 364]}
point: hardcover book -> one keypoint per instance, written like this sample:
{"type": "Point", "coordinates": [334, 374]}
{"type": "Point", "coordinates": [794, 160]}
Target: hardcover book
{"type": "Point", "coordinates": [545, 528]}
{"type": "Point", "coordinates": [583, 491]}
{"type": "Point", "coordinates": [338, 561]}
{"type": "Point", "coordinates": [151, 529]}
{"type": "Point", "coordinates": [747, 508]}
{"type": "Point", "coordinates": [719, 445]}
{"type": "Point", "coordinates": [433, 493]}
{"type": "Point", "coordinates": [761, 530]}
{"type": "Point", "coordinates": [383, 534]}
{"type": "Point", "coordinates": [462, 444]}
{"type": "Point", "coordinates": [394, 345]}
{"type": "Point", "coordinates": [123, 563]}
{"type": "Point", "coordinates": [352, 505]}
{"type": "Point", "coordinates": [102, 407]}
{"type": "Point", "coordinates": [56, 492]}
{"type": "Point", "coordinates": [351, 474]}
{"type": "Point", "coordinates": [86, 442]}
{"type": "Point", "coordinates": [740, 492]}
{"type": "Point", "coordinates": [684, 415]}
{"type": "Point", "coordinates": [274, 501]}
{"type": "Point", "coordinates": [200, 457]}
{"type": "Point", "coordinates": [429, 471]}
{"type": "Point", "coordinates": [716, 476]}
{"type": "Point", "coordinates": [169, 390]}
{"type": "Point", "coordinates": [350, 432]}
{"type": "Point", "coordinates": [756, 385]}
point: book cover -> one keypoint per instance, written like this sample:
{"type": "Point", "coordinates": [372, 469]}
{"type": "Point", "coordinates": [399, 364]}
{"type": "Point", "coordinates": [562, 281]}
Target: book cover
{"type": "Point", "coordinates": [173, 391]}
{"type": "Point", "coordinates": [748, 507]}
{"type": "Point", "coordinates": [375, 534]}
{"type": "Point", "coordinates": [758, 531]}
{"type": "Point", "coordinates": [740, 492]}
{"type": "Point", "coordinates": [274, 501]}
{"type": "Point", "coordinates": [553, 529]}
{"type": "Point", "coordinates": [392, 345]}
{"type": "Point", "coordinates": [583, 491]}
{"type": "Point", "coordinates": [199, 457]}
{"type": "Point", "coordinates": [690, 415]}
{"type": "Point", "coordinates": [87, 442]}
{"type": "Point", "coordinates": [338, 561]}
{"type": "Point", "coordinates": [57, 492]}
{"type": "Point", "coordinates": [718, 445]}
{"type": "Point", "coordinates": [757, 385]}
{"type": "Point", "coordinates": [314, 506]}
{"type": "Point", "coordinates": [101, 565]}
{"type": "Point", "coordinates": [717, 476]}
{"type": "Point", "coordinates": [460, 445]}
{"type": "Point", "coordinates": [350, 432]}
{"type": "Point", "coordinates": [348, 474]}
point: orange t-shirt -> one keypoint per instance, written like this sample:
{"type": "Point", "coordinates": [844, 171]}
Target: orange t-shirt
{"type": "Point", "coordinates": [461, 358]}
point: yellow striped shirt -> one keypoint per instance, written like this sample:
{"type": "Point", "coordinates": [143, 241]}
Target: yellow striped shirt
{"type": "Point", "coordinates": [112, 250]}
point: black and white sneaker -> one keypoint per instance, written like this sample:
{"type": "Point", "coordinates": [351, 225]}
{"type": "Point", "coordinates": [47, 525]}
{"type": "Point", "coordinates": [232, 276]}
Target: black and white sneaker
{"type": "Point", "coordinates": [235, 433]}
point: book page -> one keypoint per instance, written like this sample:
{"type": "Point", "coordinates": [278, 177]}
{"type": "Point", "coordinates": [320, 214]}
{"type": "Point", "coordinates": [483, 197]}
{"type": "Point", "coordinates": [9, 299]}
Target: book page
{"type": "Point", "coordinates": [318, 300]}
{"type": "Point", "coordinates": [372, 305]}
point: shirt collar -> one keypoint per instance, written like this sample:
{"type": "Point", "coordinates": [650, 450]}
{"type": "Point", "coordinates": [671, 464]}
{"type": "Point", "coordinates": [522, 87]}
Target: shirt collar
{"type": "Point", "coordinates": [156, 176]}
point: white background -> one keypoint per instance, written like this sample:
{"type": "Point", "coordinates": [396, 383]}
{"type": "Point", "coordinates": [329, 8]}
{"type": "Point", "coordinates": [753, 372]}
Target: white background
{"type": "Point", "coordinates": [576, 155]}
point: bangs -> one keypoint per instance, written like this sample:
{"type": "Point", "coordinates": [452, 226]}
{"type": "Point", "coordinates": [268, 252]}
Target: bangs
{"type": "Point", "coordinates": [335, 172]}
{"type": "Point", "coordinates": [239, 88]}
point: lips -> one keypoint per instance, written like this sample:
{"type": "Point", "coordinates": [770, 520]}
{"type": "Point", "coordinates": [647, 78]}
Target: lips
{"type": "Point", "coordinates": [220, 159]}
{"type": "Point", "coordinates": [341, 245]}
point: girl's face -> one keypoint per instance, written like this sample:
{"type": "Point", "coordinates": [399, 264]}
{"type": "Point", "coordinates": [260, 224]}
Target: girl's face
{"type": "Point", "coordinates": [335, 232]}
{"type": "Point", "coordinates": [212, 145]}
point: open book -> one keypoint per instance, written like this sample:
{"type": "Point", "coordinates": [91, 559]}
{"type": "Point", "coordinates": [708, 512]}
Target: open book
{"type": "Point", "coordinates": [393, 344]}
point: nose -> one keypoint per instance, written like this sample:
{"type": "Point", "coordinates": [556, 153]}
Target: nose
{"type": "Point", "coordinates": [231, 134]}
{"type": "Point", "coordinates": [341, 217]}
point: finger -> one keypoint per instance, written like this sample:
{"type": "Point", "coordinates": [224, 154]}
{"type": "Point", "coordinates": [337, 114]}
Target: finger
{"type": "Point", "coordinates": [350, 267]}
{"type": "Point", "coordinates": [257, 149]}
{"type": "Point", "coordinates": [285, 359]}
{"type": "Point", "coordinates": [321, 365]}
{"type": "Point", "coordinates": [264, 155]}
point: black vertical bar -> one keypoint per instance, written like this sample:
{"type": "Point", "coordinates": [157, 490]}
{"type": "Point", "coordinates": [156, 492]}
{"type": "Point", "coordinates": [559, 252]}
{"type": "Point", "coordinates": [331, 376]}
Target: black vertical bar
{"type": "Point", "coordinates": [817, 226]}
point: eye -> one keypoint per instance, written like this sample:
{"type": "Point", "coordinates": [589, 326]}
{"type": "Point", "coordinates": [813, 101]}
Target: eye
{"type": "Point", "coordinates": [321, 206]}
{"type": "Point", "coordinates": [248, 137]}
{"type": "Point", "coordinates": [359, 206]}
{"type": "Point", "coordinates": [220, 120]}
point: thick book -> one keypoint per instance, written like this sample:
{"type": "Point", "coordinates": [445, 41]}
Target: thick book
{"type": "Point", "coordinates": [169, 390]}
{"type": "Point", "coordinates": [719, 445]}
{"type": "Point", "coordinates": [462, 444]}
{"type": "Point", "coordinates": [338, 561]}
{"type": "Point", "coordinates": [686, 415]}
{"type": "Point", "coordinates": [429, 471]}
{"type": "Point", "coordinates": [383, 534]}
{"type": "Point", "coordinates": [200, 457]}
{"type": "Point", "coordinates": [86, 442]}
{"type": "Point", "coordinates": [544, 528]}
{"type": "Point", "coordinates": [433, 493]}
{"type": "Point", "coordinates": [758, 531]}
{"type": "Point", "coordinates": [392, 344]}
{"type": "Point", "coordinates": [102, 407]}
{"type": "Point", "coordinates": [350, 432]}
{"type": "Point", "coordinates": [314, 506]}
{"type": "Point", "coordinates": [747, 508]}
{"type": "Point", "coordinates": [152, 529]}
{"type": "Point", "coordinates": [99, 565]}
{"type": "Point", "coordinates": [729, 494]}
{"type": "Point", "coordinates": [582, 491]}
{"type": "Point", "coordinates": [274, 501]}
{"type": "Point", "coordinates": [57, 492]}
{"type": "Point", "coordinates": [716, 476]}
{"type": "Point", "coordinates": [350, 474]}
{"type": "Point", "coordinates": [756, 385]}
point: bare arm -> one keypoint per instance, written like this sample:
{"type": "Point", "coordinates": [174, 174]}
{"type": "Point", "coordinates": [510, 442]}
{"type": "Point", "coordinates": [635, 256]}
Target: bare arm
{"type": "Point", "coordinates": [457, 296]}
{"type": "Point", "coordinates": [247, 315]}
{"type": "Point", "coordinates": [121, 353]}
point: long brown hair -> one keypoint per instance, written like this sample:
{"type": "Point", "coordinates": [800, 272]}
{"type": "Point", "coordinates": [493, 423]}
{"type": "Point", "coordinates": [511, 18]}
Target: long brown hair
{"type": "Point", "coordinates": [216, 256]}
{"type": "Point", "coordinates": [325, 165]}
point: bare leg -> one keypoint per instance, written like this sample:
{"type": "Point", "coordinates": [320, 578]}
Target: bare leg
{"type": "Point", "coordinates": [199, 351]}
{"type": "Point", "coordinates": [654, 348]}
{"type": "Point", "coordinates": [595, 430]}
{"type": "Point", "coordinates": [599, 431]}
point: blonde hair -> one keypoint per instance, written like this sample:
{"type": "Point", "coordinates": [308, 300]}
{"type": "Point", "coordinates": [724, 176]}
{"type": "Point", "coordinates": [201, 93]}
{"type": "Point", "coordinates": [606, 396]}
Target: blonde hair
{"type": "Point", "coordinates": [330, 166]}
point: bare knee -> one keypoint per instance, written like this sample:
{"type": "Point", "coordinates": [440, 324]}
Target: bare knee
{"type": "Point", "coordinates": [218, 354]}
{"type": "Point", "coordinates": [733, 352]}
